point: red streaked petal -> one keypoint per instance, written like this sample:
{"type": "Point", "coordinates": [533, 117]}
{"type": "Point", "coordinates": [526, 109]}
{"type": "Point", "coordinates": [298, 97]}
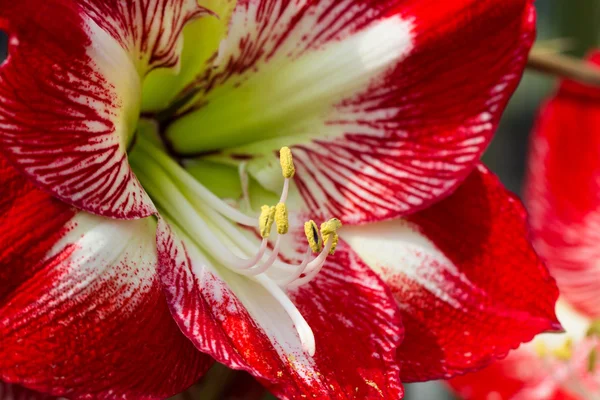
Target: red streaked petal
{"type": "Point", "coordinates": [563, 191]}
{"type": "Point", "coordinates": [382, 128]}
{"type": "Point", "coordinates": [70, 93]}
{"type": "Point", "coordinates": [348, 307]}
{"type": "Point", "coordinates": [31, 222]}
{"type": "Point", "coordinates": [468, 283]}
{"type": "Point", "coordinates": [237, 322]}
{"type": "Point", "coordinates": [82, 313]}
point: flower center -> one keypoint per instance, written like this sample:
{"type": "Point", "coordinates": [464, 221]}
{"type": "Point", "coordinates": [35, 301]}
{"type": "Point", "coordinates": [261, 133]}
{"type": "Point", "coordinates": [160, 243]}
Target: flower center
{"type": "Point", "coordinates": [247, 245]}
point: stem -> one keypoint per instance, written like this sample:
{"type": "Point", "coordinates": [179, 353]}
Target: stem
{"type": "Point", "coordinates": [563, 66]}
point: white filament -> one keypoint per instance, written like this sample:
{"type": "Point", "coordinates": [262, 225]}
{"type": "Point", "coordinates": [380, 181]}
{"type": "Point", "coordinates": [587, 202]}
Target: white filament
{"type": "Point", "coordinates": [181, 175]}
{"type": "Point", "coordinates": [313, 268]}
{"type": "Point", "coordinates": [299, 270]}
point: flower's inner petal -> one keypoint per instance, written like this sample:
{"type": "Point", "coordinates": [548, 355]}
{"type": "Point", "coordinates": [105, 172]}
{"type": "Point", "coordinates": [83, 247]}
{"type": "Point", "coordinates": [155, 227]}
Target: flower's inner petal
{"type": "Point", "coordinates": [70, 93]}
{"type": "Point", "coordinates": [296, 78]}
{"type": "Point", "coordinates": [201, 39]}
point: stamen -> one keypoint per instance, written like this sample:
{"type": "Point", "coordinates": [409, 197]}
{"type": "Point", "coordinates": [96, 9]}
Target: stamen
{"type": "Point", "coordinates": [252, 261]}
{"type": "Point", "coordinates": [329, 232]}
{"type": "Point", "coordinates": [288, 170]}
{"type": "Point", "coordinates": [281, 219]}
{"type": "Point", "coordinates": [212, 223]}
{"type": "Point", "coordinates": [287, 162]}
{"type": "Point", "coordinates": [313, 268]}
{"type": "Point", "coordinates": [267, 264]}
{"type": "Point", "coordinates": [592, 360]}
{"type": "Point", "coordinates": [540, 348]}
{"type": "Point", "coordinates": [214, 227]}
{"type": "Point", "coordinates": [307, 338]}
{"type": "Point", "coordinates": [285, 191]}
{"type": "Point", "coordinates": [594, 329]}
{"type": "Point", "coordinates": [182, 210]}
{"type": "Point", "coordinates": [564, 352]}
{"type": "Point", "coordinates": [312, 235]}
{"type": "Point", "coordinates": [299, 270]}
{"type": "Point", "coordinates": [267, 217]}
{"type": "Point", "coordinates": [195, 187]}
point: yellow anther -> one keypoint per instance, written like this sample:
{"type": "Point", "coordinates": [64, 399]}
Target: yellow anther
{"type": "Point", "coordinates": [281, 219]}
{"type": "Point", "coordinates": [331, 226]}
{"type": "Point", "coordinates": [312, 235]}
{"type": "Point", "coordinates": [267, 216]}
{"type": "Point", "coordinates": [287, 162]}
{"type": "Point", "coordinates": [540, 348]}
{"type": "Point", "coordinates": [329, 232]}
{"type": "Point", "coordinates": [592, 360]}
{"type": "Point", "coordinates": [335, 238]}
{"type": "Point", "coordinates": [564, 352]}
{"type": "Point", "coordinates": [594, 329]}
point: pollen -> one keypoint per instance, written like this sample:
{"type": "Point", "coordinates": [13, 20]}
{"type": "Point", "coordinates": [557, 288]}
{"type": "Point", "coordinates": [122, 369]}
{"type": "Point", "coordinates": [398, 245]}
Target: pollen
{"type": "Point", "coordinates": [331, 226]}
{"type": "Point", "coordinates": [287, 162]}
{"type": "Point", "coordinates": [329, 232]}
{"type": "Point", "coordinates": [564, 352]}
{"type": "Point", "coordinates": [312, 235]}
{"type": "Point", "coordinates": [540, 349]}
{"type": "Point", "coordinates": [592, 360]}
{"type": "Point", "coordinates": [594, 329]}
{"type": "Point", "coordinates": [281, 219]}
{"type": "Point", "coordinates": [267, 217]}
{"type": "Point", "coordinates": [334, 238]}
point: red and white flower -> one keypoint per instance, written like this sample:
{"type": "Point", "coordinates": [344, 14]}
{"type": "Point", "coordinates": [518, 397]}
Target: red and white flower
{"type": "Point", "coordinates": [562, 193]}
{"type": "Point", "coordinates": [133, 251]}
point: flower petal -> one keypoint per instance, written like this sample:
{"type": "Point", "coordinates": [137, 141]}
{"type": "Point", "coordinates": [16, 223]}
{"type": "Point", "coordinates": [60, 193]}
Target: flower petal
{"type": "Point", "coordinates": [239, 323]}
{"type": "Point", "coordinates": [82, 313]}
{"type": "Point", "coordinates": [201, 38]}
{"type": "Point", "coordinates": [70, 93]}
{"type": "Point", "coordinates": [563, 191]}
{"type": "Point", "coordinates": [468, 283]}
{"type": "Point", "coordinates": [389, 103]}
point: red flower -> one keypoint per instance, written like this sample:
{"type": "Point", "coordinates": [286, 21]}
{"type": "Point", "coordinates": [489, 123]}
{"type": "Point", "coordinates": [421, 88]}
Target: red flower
{"type": "Point", "coordinates": [562, 193]}
{"type": "Point", "coordinates": [114, 242]}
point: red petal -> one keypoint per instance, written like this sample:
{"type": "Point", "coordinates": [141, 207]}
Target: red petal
{"type": "Point", "coordinates": [563, 191]}
{"type": "Point", "coordinates": [348, 307]}
{"type": "Point", "coordinates": [70, 93]}
{"type": "Point", "coordinates": [77, 318]}
{"type": "Point", "coordinates": [401, 140]}
{"type": "Point", "coordinates": [468, 283]}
